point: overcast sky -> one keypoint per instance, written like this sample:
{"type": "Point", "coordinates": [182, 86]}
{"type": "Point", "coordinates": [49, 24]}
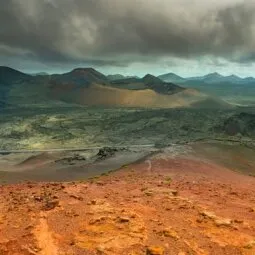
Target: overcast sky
{"type": "Point", "coordinates": [188, 37]}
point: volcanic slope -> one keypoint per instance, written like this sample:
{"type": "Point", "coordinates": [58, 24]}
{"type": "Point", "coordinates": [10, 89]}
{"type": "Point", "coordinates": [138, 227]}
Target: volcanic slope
{"type": "Point", "coordinates": [147, 92]}
{"type": "Point", "coordinates": [86, 86]}
{"type": "Point", "coordinates": [179, 205]}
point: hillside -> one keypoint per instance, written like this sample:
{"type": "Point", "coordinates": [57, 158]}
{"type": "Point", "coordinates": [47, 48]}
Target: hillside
{"type": "Point", "coordinates": [171, 77]}
{"type": "Point", "coordinates": [86, 86]}
{"type": "Point", "coordinates": [109, 96]}
{"type": "Point", "coordinates": [9, 76]}
{"type": "Point", "coordinates": [80, 77]}
{"type": "Point", "coordinates": [211, 78]}
{"type": "Point", "coordinates": [149, 91]}
{"type": "Point", "coordinates": [207, 209]}
{"type": "Point", "coordinates": [233, 89]}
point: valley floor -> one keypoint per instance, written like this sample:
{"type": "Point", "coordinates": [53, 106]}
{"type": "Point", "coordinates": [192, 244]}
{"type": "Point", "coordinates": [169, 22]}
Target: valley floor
{"type": "Point", "coordinates": [170, 203]}
{"type": "Point", "coordinates": [58, 127]}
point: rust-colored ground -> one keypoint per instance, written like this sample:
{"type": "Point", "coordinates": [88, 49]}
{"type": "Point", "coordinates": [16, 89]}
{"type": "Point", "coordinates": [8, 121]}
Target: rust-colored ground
{"type": "Point", "coordinates": [180, 206]}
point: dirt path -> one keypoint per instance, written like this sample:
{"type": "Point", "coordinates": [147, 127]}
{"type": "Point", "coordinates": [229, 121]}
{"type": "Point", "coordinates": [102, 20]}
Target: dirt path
{"type": "Point", "coordinates": [46, 242]}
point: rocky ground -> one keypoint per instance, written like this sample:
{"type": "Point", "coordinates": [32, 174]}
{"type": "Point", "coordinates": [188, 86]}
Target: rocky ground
{"type": "Point", "coordinates": [32, 128]}
{"type": "Point", "coordinates": [162, 205]}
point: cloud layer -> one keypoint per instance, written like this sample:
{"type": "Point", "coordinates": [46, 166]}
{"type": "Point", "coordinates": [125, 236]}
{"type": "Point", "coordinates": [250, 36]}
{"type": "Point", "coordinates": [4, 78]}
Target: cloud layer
{"type": "Point", "coordinates": [119, 32]}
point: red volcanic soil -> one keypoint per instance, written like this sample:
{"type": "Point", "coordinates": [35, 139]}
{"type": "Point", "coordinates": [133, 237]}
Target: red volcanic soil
{"type": "Point", "coordinates": [180, 206]}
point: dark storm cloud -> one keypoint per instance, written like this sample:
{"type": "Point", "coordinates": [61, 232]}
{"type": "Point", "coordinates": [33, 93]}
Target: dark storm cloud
{"type": "Point", "coordinates": [115, 32]}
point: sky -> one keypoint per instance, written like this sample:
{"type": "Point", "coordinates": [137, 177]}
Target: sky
{"type": "Point", "coordinates": [131, 37]}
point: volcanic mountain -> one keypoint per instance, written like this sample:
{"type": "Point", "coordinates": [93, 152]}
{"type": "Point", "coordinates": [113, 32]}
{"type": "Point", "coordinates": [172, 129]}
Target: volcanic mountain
{"type": "Point", "coordinates": [232, 88]}
{"type": "Point", "coordinates": [171, 77]}
{"type": "Point", "coordinates": [80, 77]}
{"type": "Point", "coordinates": [147, 92]}
{"type": "Point", "coordinates": [87, 86]}
{"type": "Point", "coordinates": [157, 85]}
{"type": "Point", "coordinates": [9, 76]}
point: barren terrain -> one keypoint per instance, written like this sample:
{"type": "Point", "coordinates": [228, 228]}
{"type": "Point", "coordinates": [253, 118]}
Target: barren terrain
{"type": "Point", "coordinates": [179, 201]}
{"type": "Point", "coordinates": [41, 127]}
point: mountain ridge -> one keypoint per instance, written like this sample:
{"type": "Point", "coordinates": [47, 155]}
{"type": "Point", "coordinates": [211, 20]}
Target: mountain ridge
{"type": "Point", "coordinates": [208, 78]}
{"type": "Point", "coordinates": [87, 86]}
{"type": "Point", "coordinates": [9, 75]}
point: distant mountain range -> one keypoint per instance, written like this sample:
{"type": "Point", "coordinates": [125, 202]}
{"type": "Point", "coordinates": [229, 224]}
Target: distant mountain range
{"type": "Point", "coordinates": [87, 86]}
{"type": "Point", "coordinates": [233, 89]}
{"type": "Point", "coordinates": [209, 78]}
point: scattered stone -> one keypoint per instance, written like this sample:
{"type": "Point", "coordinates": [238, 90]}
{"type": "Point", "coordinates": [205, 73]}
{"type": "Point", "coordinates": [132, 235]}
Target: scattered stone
{"type": "Point", "coordinates": [209, 215]}
{"type": "Point", "coordinates": [76, 197]}
{"type": "Point", "coordinates": [173, 192]}
{"type": "Point", "coordinates": [97, 220]}
{"type": "Point", "coordinates": [133, 216]}
{"type": "Point", "coordinates": [238, 221]}
{"type": "Point", "coordinates": [250, 245]}
{"type": "Point", "coordinates": [170, 233]}
{"type": "Point", "coordinates": [100, 249]}
{"type": "Point", "coordinates": [106, 152]}
{"type": "Point", "coordinates": [33, 250]}
{"type": "Point", "coordinates": [148, 193]}
{"type": "Point", "coordinates": [123, 219]}
{"type": "Point", "coordinates": [153, 250]}
{"type": "Point", "coordinates": [38, 198]}
{"type": "Point", "coordinates": [71, 160]}
{"type": "Point", "coordinates": [184, 206]}
{"type": "Point", "coordinates": [217, 220]}
{"type": "Point", "coordinates": [159, 190]}
{"type": "Point", "coordinates": [252, 209]}
{"type": "Point", "coordinates": [50, 205]}
{"type": "Point", "coordinates": [29, 227]}
{"type": "Point", "coordinates": [92, 202]}
{"type": "Point", "coordinates": [199, 220]}
{"type": "Point", "coordinates": [99, 183]}
{"type": "Point", "coordinates": [72, 243]}
{"type": "Point", "coordinates": [223, 222]}
{"type": "Point", "coordinates": [233, 193]}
